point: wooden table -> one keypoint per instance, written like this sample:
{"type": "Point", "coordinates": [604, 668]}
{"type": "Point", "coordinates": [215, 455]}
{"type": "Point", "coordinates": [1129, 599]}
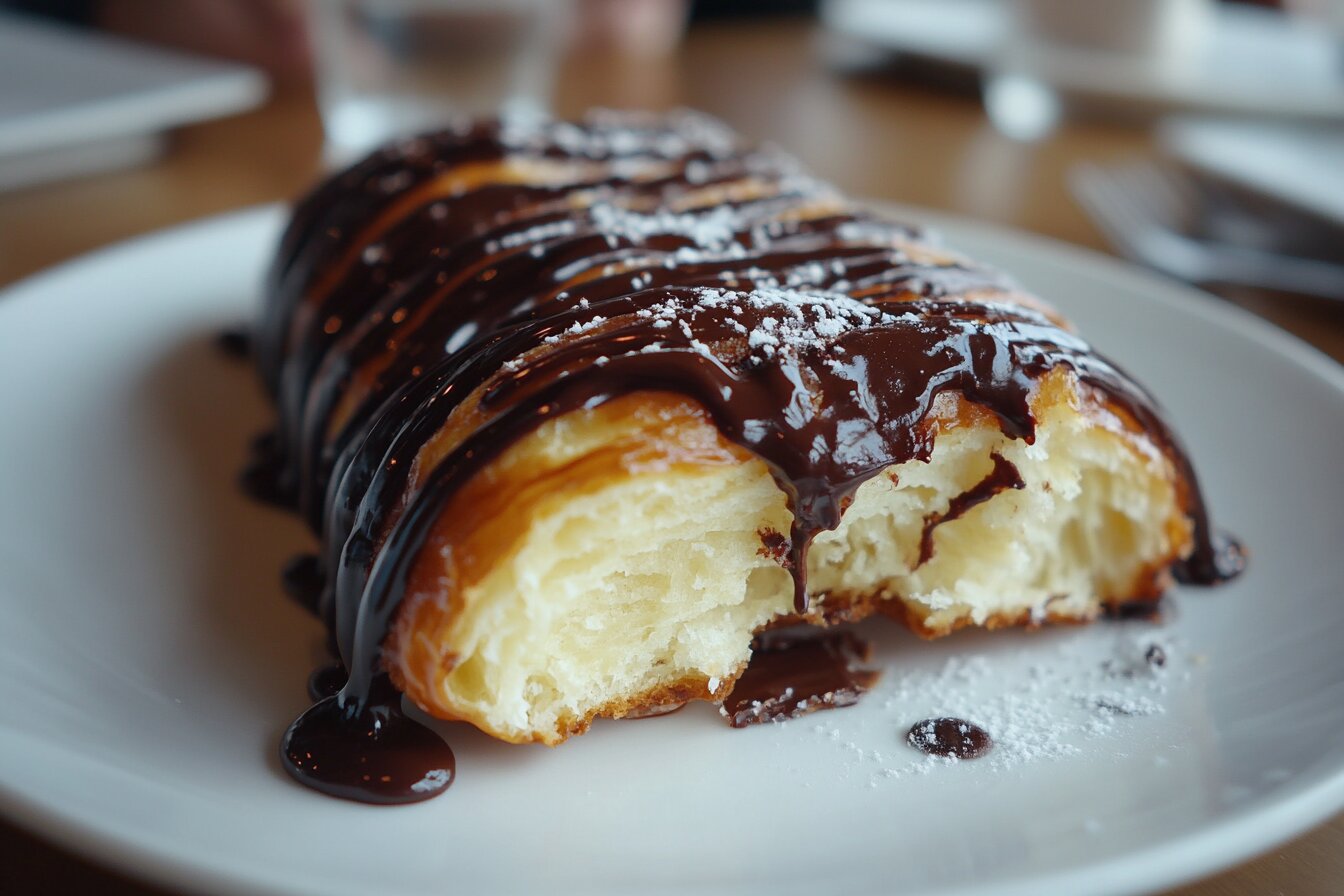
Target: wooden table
{"type": "Point", "coordinates": [871, 136]}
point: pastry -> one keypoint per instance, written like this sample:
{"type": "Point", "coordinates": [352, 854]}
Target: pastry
{"type": "Point", "coordinates": [579, 409]}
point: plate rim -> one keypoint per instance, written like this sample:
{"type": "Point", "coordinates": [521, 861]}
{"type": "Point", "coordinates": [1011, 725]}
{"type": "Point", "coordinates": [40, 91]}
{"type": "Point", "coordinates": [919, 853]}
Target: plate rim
{"type": "Point", "coordinates": [1252, 830]}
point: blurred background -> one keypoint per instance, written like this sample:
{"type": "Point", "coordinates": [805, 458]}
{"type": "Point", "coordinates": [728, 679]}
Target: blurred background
{"type": "Point", "coordinates": [1200, 138]}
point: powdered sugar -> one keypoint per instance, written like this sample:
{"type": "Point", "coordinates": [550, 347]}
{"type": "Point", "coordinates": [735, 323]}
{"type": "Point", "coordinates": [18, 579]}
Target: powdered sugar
{"type": "Point", "coordinates": [1037, 707]}
{"type": "Point", "coordinates": [772, 322]}
{"type": "Point", "coordinates": [606, 133]}
{"type": "Point", "coordinates": [534, 234]}
{"type": "Point", "coordinates": [712, 230]}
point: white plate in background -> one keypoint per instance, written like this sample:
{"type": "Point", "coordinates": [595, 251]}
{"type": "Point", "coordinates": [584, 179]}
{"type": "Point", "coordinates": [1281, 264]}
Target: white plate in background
{"type": "Point", "coordinates": [150, 662]}
{"type": "Point", "coordinates": [1253, 62]}
{"type": "Point", "coordinates": [75, 101]}
{"type": "Point", "coordinates": [1301, 166]}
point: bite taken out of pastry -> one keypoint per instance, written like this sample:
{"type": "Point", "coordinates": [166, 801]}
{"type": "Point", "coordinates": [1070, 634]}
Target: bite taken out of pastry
{"type": "Point", "coordinates": [621, 557]}
{"type": "Point", "coordinates": [579, 410]}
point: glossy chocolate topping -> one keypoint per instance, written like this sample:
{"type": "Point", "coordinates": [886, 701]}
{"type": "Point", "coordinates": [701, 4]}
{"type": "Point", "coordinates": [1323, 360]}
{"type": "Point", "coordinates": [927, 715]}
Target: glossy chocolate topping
{"type": "Point", "coordinates": [501, 275]}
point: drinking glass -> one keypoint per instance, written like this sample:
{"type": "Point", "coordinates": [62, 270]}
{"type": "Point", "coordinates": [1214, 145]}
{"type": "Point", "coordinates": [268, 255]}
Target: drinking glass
{"type": "Point", "coordinates": [387, 68]}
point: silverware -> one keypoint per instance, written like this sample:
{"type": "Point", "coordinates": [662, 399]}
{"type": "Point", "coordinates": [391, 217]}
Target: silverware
{"type": "Point", "coordinates": [1196, 232]}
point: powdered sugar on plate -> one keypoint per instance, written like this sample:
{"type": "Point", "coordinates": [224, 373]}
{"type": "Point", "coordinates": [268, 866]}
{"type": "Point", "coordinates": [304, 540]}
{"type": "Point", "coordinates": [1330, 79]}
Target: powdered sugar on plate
{"type": "Point", "coordinates": [1038, 705]}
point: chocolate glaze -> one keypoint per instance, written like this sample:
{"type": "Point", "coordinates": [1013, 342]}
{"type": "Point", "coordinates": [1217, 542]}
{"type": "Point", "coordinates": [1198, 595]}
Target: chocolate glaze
{"type": "Point", "coordinates": [952, 738]}
{"type": "Point", "coordinates": [791, 676]}
{"type": "Point", "coordinates": [1003, 475]}
{"type": "Point", "coordinates": [401, 289]}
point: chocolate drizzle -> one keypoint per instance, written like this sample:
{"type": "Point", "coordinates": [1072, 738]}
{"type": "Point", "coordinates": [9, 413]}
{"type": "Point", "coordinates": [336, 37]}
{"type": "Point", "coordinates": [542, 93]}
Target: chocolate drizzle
{"type": "Point", "coordinates": [499, 277]}
{"type": "Point", "coordinates": [1003, 475]}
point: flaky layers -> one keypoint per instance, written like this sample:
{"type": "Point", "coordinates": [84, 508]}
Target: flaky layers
{"type": "Point", "coordinates": [579, 409]}
{"type": "Point", "coordinates": [621, 559]}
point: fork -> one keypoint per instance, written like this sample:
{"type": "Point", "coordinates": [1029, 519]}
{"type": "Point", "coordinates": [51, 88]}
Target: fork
{"type": "Point", "coordinates": [1148, 213]}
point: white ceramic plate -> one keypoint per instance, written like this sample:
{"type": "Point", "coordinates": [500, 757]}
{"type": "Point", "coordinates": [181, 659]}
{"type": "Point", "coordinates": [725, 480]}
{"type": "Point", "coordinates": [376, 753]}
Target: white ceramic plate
{"type": "Point", "coordinates": [1254, 61]}
{"type": "Point", "coordinates": [75, 100]}
{"type": "Point", "coordinates": [149, 662]}
{"type": "Point", "coordinates": [1298, 166]}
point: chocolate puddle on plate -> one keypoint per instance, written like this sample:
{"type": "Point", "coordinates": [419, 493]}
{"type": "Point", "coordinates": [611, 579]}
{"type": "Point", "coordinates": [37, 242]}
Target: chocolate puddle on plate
{"type": "Point", "coordinates": [791, 675]}
{"type": "Point", "coordinates": [950, 738]}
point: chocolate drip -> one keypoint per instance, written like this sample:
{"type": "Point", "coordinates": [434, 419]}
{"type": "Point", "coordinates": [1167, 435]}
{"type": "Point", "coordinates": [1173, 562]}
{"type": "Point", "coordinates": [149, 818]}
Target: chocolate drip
{"type": "Point", "coordinates": [1004, 475]}
{"type": "Point", "coordinates": [791, 676]}
{"type": "Point", "coordinates": [406, 294]}
{"type": "Point", "coordinates": [950, 738]}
